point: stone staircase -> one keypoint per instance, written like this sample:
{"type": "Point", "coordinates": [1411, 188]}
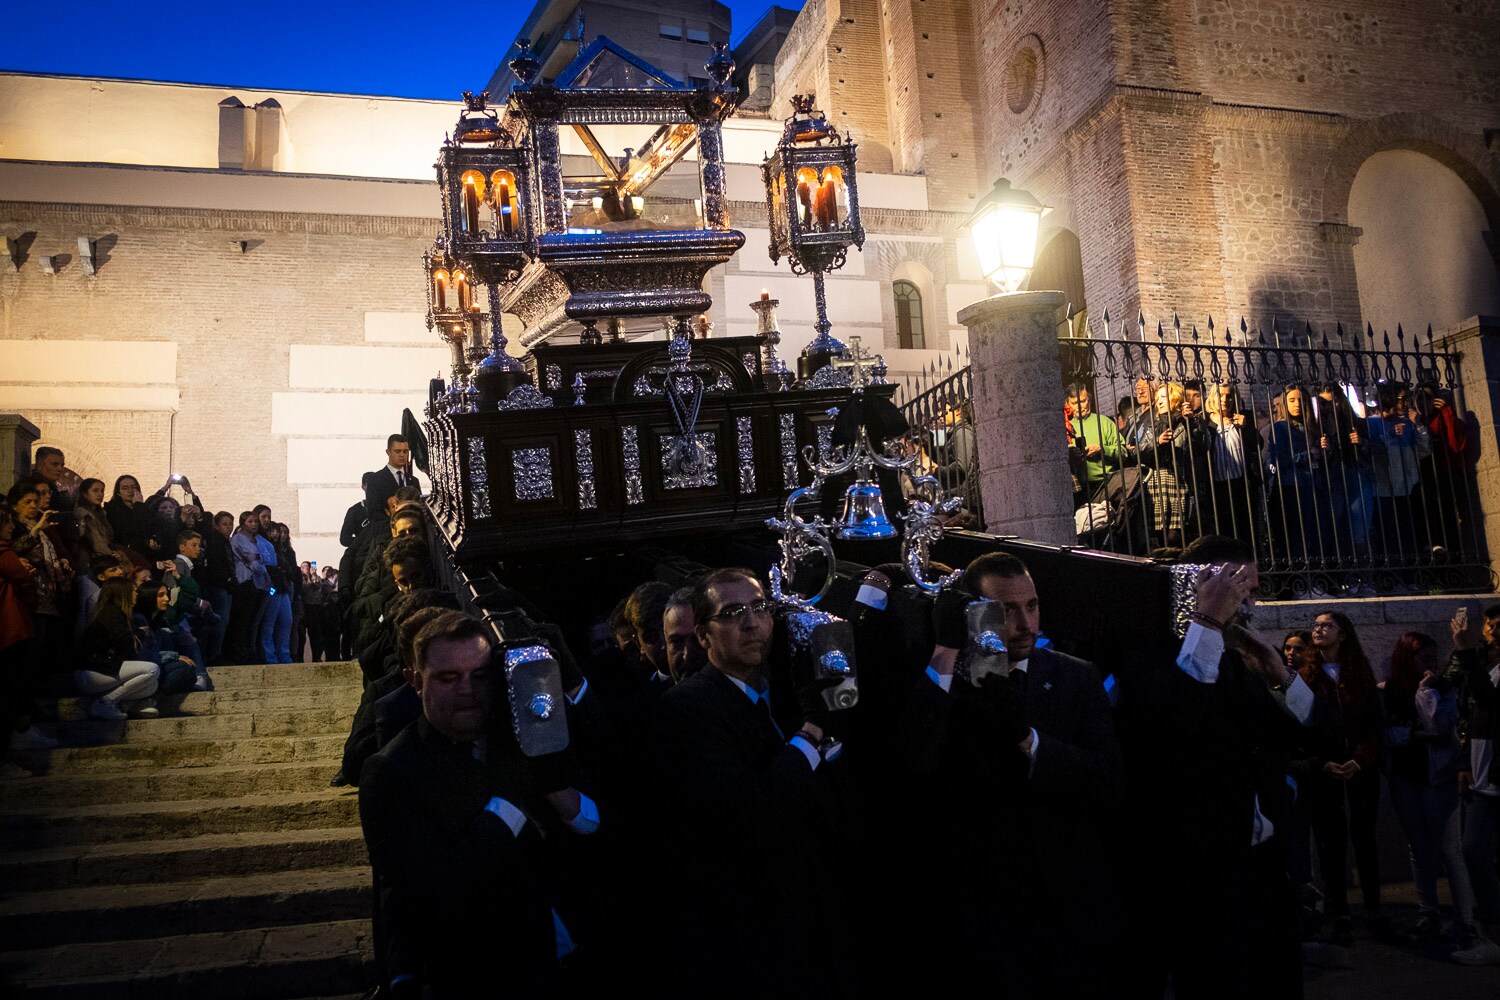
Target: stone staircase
{"type": "Point", "coordinates": [201, 854]}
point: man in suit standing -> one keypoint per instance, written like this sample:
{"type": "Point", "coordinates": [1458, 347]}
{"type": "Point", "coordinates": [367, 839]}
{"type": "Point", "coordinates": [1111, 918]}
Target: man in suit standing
{"type": "Point", "coordinates": [1022, 771]}
{"type": "Point", "coordinates": [450, 812]}
{"type": "Point", "coordinates": [384, 482]}
{"type": "Point", "coordinates": [756, 913]}
{"type": "Point", "coordinates": [1210, 720]}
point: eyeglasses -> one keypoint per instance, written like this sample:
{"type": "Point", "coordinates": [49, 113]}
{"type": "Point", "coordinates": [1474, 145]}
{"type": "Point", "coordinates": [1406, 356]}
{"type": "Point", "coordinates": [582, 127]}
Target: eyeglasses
{"type": "Point", "coordinates": [734, 612]}
{"type": "Point", "coordinates": [1318, 625]}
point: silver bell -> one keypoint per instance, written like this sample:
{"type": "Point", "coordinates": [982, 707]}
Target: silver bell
{"type": "Point", "coordinates": [864, 516]}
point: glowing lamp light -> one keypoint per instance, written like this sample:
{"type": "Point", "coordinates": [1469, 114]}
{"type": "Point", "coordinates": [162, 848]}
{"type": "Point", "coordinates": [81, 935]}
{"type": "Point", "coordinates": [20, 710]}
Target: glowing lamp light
{"type": "Point", "coordinates": [1004, 227]}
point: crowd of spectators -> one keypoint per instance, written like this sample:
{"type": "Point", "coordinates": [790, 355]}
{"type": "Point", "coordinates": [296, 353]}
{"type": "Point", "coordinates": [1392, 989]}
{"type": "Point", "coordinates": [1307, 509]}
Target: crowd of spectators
{"type": "Point", "coordinates": [125, 600]}
{"type": "Point", "coordinates": [1046, 832]}
{"type": "Point", "coordinates": [1310, 479]}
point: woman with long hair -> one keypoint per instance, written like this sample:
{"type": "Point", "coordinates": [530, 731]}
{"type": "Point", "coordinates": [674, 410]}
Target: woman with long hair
{"type": "Point", "coordinates": [94, 532]}
{"type": "Point", "coordinates": [170, 646]}
{"type": "Point", "coordinates": [112, 672]}
{"type": "Point", "coordinates": [1168, 451]}
{"type": "Point", "coordinates": [1298, 490]}
{"type": "Point", "coordinates": [1422, 761]}
{"type": "Point", "coordinates": [38, 540]}
{"type": "Point", "coordinates": [130, 520]}
{"type": "Point", "coordinates": [1346, 783]}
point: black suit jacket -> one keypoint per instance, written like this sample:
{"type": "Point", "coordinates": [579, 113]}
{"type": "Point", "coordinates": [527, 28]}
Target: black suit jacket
{"type": "Point", "coordinates": [463, 904]}
{"type": "Point", "coordinates": [382, 487]}
{"type": "Point", "coordinates": [355, 518]}
{"type": "Point", "coordinates": [1034, 868]}
{"type": "Point", "coordinates": [755, 849]}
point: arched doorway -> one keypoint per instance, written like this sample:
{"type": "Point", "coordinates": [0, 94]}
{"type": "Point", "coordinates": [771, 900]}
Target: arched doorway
{"type": "Point", "coordinates": [1423, 257]}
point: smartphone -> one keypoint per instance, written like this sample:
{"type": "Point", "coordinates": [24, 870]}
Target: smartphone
{"type": "Point", "coordinates": [176, 477]}
{"type": "Point", "coordinates": [1462, 616]}
{"type": "Point", "coordinates": [313, 563]}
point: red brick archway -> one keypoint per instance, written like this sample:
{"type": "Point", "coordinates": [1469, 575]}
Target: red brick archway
{"type": "Point", "coordinates": [1462, 152]}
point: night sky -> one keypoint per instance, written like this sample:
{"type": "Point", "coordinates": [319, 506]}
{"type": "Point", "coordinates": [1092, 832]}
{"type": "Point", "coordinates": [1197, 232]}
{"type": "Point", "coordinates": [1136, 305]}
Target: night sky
{"type": "Point", "coordinates": [401, 49]}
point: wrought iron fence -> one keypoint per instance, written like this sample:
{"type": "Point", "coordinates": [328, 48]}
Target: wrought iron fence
{"type": "Point", "coordinates": [938, 403]}
{"type": "Point", "coordinates": [1345, 462]}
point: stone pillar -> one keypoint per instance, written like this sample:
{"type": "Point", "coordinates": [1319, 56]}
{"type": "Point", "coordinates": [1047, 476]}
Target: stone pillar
{"type": "Point", "coordinates": [1018, 415]}
{"type": "Point", "coordinates": [17, 435]}
{"type": "Point", "coordinates": [1476, 341]}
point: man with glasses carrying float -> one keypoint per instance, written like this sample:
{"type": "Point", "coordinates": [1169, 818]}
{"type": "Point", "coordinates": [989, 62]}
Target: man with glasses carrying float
{"type": "Point", "coordinates": [757, 913]}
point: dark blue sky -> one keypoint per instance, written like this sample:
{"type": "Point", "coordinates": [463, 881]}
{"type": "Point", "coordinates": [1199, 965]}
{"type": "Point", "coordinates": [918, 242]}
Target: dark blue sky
{"type": "Point", "coordinates": [379, 47]}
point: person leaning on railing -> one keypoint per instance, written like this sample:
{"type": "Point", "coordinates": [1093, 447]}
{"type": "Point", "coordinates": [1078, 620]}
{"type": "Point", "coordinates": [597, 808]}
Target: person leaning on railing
{"type": "Point", "coordinates": [1096, 437]}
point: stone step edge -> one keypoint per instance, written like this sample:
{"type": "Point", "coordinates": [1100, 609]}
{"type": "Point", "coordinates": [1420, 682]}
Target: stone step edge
{"type": "Point", "coordinates": [17, 963]}
{"type": "Point", "coordinates": [19, 785]}
{"type": "Point", "coordinates": [177, 845]}
{"type": "Point", "coordinates": [95, 899]}
{"type": "Point", "coordinates": [149, 746]}
{"type": "Point", "coordinates": [121, 809]}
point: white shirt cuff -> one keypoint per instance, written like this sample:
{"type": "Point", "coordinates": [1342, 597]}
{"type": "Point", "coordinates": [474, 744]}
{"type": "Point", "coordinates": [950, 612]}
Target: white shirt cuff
{"type": "Point", "coordinates": [1036, 741]}
{"type": "Point", "coordinates": [1299, 699]}
{"type": "Point", "coordinates": [513, 817]}
{"type": "Point", "coordinates": [1202, 648]}
{"type": "Point", "coordinates": [583, 689]}
{"type": "Point", "coordinates": [587, 820]}
{"type": "Point", "coordinates": [808, 750]}
{"type": "Point", "coordinates": [871, 597]}
{"type": "Point", "coordinates": [944, 681]}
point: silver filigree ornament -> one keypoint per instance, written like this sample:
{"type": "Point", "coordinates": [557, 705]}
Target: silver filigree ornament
{"type": "Point", "coordinates": [630, 453]}
{"type": "Point", "coordinates": [479, 477]}
{"type": "Point", "coordinates": [583, 458]}
{"type": "Point", "coordinates": [745, 440]}
{"type": "Point", "coordinates": [704, 470]}
{"type": "Point", "coordinates": [532, 471]}
{"type": "Point", "coordinates": [524, 397]}
{"type": "Point", "coordinates": [788, 429]}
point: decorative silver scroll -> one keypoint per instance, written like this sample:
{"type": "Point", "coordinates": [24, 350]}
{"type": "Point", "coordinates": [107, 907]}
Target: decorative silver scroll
{"type": "Point", "coordinates": [745, 438]}
{"type": "Point", "coordinates": [532, 471]}
{"type": "Point", "coordinates": [479, 477]}
{"type": "Point", "coordinates": [630, 451]}
{"type": "Point", "coordinates": [583, 458]}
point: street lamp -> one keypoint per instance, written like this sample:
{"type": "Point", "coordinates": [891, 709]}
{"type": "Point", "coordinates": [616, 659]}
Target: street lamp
{"type": "Point", "coordinates": [1004, 228]}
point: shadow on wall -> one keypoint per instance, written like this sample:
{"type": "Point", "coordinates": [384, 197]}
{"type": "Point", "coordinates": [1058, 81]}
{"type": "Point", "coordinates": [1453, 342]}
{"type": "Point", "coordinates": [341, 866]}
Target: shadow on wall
{"type": "Point", "coordinates": [1279, 308]}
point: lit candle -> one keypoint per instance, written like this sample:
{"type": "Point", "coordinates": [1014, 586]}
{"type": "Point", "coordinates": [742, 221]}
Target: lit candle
{"type": "Point", "coordinates": [440, 289]}
{"type": "Point", "coordinates": [804, 202]}
{"type": "Point", "coordinates": [503, 204]}
{"type": "Point", "coordinates": [765, 295]}
{"type": "Point", "coordinates": [471, 206]}
{"type": "Point", "coordinates": [825, 205]}
{"type": "Point", "coordinates": [461, 285]}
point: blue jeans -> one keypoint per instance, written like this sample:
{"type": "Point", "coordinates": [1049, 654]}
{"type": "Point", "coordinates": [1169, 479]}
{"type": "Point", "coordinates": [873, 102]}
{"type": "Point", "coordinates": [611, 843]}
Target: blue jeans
{"type": "Point", "coordinates": [221, 601]}
{"type": "Point", "coordinates": [1481, 834]}
{"type": "Point", "coordinates": [1429, 818]}
{"type": "Point", "coordinates": [276, 629]}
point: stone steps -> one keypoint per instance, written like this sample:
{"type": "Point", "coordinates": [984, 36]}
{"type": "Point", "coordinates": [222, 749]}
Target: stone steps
{"type": "Point", "coordinates": [305, 960]}
{"type": "Point", "coordinates": [118, 821]}
{"type": "Point", "coordinates": [138, 862]}
{"type": "Point", "coordinates": [160, 909]}
{"type": "Point", "coordinates": [185, 753]}
{"type": "Point", "coordinates": [164, 784]}
{"type": "Point", "coordinates": [241, 700]}
{"type": "Point", "coordinates": [200, 854]}
{"type": "Point", "coordinates": [215, 726]}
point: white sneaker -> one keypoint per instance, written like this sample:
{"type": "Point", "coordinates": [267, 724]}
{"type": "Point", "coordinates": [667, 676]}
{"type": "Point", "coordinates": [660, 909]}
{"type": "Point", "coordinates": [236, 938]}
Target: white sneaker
{"type": "Point", "coordinates": [103, 708]}
{"type": "Point", "coordinates": [32, 739]}
{"type": "Point", "coordinates": [145, 709]}
{"type": "Point", "coordinates": [202, 683]}
{"type": "Point", "coordinates": [1481, 952]}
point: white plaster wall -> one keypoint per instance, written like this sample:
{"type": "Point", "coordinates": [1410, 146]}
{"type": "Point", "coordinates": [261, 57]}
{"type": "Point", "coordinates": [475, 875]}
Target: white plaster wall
{"type": "Point", "coordinates": [1422, 259]}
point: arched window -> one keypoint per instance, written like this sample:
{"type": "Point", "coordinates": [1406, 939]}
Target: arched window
{"type": "Point", "coordinates": [908, 315]}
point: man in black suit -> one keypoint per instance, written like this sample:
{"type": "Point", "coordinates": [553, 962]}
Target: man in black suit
{"type": "Point", "coordinates": [396, 473]}
{"type": "Point", "coordinates": [1209, 721]}
{"type": "Point", "coordinates": [754, 844]}
{"type": "Point", "coordinates": [450, 812]}
{"type": "Point", "coordinates": [1021, 771]}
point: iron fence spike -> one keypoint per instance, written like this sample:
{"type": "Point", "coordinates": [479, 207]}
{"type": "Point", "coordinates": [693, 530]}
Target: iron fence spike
{"type": "Point", "coordinates": [1195, 332]}
{"type": "Point", "coordinates": [1386, 336]}
{"type": "Point", "coordinates": [1400, 336]}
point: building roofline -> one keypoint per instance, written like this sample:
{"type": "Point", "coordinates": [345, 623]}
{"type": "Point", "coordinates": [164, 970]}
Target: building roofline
{"type": "Point", "coordinates": [228, 86]}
